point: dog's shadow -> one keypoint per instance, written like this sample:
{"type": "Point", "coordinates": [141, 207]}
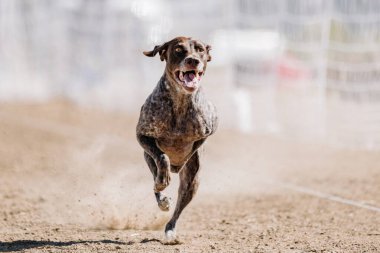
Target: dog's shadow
{"type": "Point", "coordinates": [173, 242]}
{"type": "Point", "coordinates": [21, 245]}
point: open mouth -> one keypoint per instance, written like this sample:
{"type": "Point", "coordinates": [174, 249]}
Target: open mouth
{"type": "Point", "coordinates": [189, 79]}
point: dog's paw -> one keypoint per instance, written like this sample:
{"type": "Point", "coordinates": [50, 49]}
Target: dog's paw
{"type": "Point", "coordinates": [164, 203]}
{"type": "Point", "coordinates": [170, 236]}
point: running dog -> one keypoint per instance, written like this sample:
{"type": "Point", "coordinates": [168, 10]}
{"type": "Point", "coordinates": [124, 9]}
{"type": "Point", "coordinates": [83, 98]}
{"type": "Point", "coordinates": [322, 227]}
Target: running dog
{"type": "Point", "coordinates": [175, 121]}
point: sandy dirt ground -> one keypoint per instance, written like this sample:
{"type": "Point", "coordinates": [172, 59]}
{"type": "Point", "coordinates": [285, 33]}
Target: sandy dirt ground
{"type": "Point", "coordinates": [74, 180]}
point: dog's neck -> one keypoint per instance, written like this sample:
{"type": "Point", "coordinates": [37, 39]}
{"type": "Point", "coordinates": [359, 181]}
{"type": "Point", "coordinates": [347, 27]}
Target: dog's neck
{"type": "Point", "coordinates": [182, 100]}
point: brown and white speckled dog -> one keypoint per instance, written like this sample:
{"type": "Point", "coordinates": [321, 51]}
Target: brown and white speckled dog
{"type": "Point", "coordinates": [175, 121]}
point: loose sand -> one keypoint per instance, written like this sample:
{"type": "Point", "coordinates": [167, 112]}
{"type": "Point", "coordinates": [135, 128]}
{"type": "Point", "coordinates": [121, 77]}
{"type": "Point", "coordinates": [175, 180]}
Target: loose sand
{"type": "Point", "coordinates": [74, 180]}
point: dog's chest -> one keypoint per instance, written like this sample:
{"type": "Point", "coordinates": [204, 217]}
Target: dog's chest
{"type": "Point", "coordinates": [190, 125]}
{"type": "Point", "coordinates": [177, 149]}
{"type": "Point", "coordinates": [160, 119]}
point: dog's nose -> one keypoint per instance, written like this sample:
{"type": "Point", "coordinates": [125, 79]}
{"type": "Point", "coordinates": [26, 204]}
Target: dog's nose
{"type": "Point", "coordinates": [192, 62]}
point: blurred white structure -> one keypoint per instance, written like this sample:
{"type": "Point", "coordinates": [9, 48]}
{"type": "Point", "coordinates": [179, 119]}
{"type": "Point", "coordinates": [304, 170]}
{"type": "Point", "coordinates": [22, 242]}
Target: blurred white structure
{"type": "Point", "coordinates": [306, 69]}
{"type": "Point", "coordinates": [252, 60]}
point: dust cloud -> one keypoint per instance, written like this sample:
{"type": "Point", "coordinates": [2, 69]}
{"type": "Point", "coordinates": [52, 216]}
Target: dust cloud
{"type": "Point", "coordinates": [96, 191]}
{"type": "Point", "coordinates": [93, 193]}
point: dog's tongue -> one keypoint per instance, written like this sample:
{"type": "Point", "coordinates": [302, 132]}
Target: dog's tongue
{"type": "Point", "coordinates": [189, 77]}
{"type": "Point", "coordinates": [190, 80]}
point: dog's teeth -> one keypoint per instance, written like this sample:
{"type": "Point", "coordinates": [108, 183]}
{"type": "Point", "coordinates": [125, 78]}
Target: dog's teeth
{"type": "Point", "coordinates": [181, 75]}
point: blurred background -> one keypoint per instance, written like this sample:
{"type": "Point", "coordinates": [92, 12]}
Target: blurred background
{"type": "Point", "coordinates": [300, 69]}
{"type": "Point", "coordinates": [293, 165]}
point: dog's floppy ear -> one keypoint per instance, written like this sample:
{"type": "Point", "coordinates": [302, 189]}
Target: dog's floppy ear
{"type": "Point", "coordinates": [208, 48]}
{"type": "Point", "coordinates": [161, 49]}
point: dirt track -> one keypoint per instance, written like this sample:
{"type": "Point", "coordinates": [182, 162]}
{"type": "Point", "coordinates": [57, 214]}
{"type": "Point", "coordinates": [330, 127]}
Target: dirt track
{"type": "Point", "coordinates": [74, 180]}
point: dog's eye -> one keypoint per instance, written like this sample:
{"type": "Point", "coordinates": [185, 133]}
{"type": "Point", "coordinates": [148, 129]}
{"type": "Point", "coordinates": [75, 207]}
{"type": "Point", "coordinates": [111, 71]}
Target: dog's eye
{"type": "Point", "coordinates": [200, 49]}
{"type": "Point", "coordinates": [178, 50]}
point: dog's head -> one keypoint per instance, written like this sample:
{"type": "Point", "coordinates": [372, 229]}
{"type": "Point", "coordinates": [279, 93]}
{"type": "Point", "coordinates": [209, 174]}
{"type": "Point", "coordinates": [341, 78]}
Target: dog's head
{"type": "Point", "coordinates": [186, 61]}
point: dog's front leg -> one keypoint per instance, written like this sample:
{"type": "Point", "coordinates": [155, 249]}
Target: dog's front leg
{"type": "Point", "coordinates": [187, 188]}
{"type": "Point", "coordinates": [160, 168]}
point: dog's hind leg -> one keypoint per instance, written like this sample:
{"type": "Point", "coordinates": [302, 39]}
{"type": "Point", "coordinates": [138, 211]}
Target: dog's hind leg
{"type": "Point", "coordinates": [161, 160]}
{"type": "Point", "coordinates": [162, 201]}
{"type": "Point", "coordinates": [187, 189]}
